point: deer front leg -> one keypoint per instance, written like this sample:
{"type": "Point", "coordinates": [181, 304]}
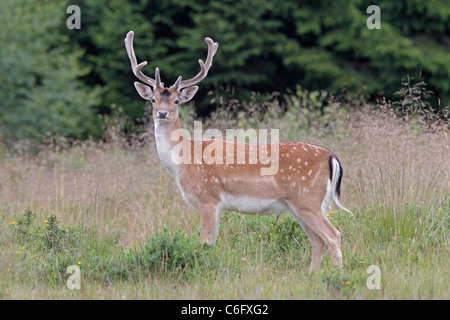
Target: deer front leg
{"type": "Point", "coordinates": [210, 223]}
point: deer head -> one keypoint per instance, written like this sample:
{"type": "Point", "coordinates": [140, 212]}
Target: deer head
{"type": "Point", "coordinates": [166, 100]}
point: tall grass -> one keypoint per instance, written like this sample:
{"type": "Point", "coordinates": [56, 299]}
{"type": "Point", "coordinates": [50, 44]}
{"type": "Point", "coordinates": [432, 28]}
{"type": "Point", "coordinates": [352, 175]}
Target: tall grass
{"type": "Point", "coordinates": [115, 211]}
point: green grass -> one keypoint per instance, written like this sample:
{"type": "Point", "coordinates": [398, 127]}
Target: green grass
{"type": "Point", "coordinates": [254, 257]}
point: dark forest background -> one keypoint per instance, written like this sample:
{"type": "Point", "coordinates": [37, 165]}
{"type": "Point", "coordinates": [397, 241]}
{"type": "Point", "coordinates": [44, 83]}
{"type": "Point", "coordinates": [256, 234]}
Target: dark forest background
{"type": "Point", "coordinates": [62, 82]}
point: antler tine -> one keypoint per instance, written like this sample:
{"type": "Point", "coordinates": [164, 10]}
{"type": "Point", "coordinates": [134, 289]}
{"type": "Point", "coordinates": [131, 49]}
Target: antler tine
{"type": "Point", "coordinates": [177, 83]}
{"type": "Point", "coordinates": [204, 67]}
{"type": "Point", "coordinates": [134, 66]}
{"type": "Point", "coordinates": [158, 82]}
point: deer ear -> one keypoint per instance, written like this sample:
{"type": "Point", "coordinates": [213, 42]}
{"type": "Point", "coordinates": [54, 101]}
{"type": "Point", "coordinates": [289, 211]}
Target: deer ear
{"type": "Point", "coordinates": [188, 93]}
{"type": "Point", "coordinates": [144, 90]}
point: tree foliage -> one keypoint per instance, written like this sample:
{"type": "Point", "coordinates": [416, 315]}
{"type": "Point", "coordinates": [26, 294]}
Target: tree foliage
{"type": "Point", "coordinates": [271, 45]}
{"type": "Point", "coordinates": [40, 91]}
{"type": "Point", "coordinates": [265, 46]}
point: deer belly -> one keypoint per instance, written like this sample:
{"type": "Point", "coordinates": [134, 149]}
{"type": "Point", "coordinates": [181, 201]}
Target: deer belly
{"type": "Point", "coordinates": [252, 205]}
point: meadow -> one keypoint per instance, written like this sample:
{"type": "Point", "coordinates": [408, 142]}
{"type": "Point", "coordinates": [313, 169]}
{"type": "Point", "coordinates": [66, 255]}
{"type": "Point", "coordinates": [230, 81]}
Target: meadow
{"type": "Point", "coordinates": [112, 209]}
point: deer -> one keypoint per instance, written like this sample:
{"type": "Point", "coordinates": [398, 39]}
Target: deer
{"type": "Point", "coordinates": [306, 181]}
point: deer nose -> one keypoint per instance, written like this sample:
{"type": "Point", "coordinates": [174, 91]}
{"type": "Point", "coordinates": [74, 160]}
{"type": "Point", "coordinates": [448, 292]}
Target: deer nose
{"type": "Point", "coordinates": [162, 114]}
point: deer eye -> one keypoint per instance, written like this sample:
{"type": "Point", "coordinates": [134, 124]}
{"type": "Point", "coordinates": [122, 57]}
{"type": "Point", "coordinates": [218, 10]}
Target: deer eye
{"type": "Point", "coordinates": [177, 101]}
{"type": "Point", "coordinates": [153, 100]}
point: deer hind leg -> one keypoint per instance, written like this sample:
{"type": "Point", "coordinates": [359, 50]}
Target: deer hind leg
{"type": "Point", "coordinates": [210, 222]}
{"type": "Point", "coordinates": [317, 245]}
{"type": "Point", "coordinates": [316, 222]}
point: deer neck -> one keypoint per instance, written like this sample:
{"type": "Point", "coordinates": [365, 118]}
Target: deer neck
{"type": "Point", "coordinates": [165, 143]}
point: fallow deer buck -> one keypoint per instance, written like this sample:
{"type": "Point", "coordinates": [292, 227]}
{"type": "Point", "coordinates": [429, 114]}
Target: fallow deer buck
{"type": "Point", "coordinates": [306, 183]}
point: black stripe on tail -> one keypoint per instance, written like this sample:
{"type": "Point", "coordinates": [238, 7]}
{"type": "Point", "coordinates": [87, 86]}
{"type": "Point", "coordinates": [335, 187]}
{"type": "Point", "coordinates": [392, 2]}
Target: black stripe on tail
{"type": "Point", "coordinates": [338, 184]}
